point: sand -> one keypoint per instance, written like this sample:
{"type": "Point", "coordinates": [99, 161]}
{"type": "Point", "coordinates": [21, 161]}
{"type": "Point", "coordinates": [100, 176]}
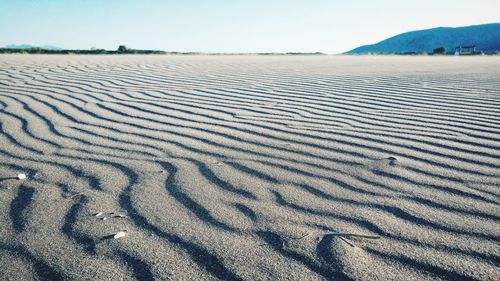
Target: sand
{"type": "Point", "coordinates": [249, 168]}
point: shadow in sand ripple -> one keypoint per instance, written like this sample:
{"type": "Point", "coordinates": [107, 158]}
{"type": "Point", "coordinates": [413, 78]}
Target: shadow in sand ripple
{"type": "Point", "coordinates": [43, 270]}
{"type": "Point", "coordinates": [443, 273]}
{"type": "Point", "coordinates": [209, 175]}
{"type": "Point", "coordinates": [86, 241]}
{"type": "Point", "coordinates": [274, 241]}
{"type": "Point", "coordinates": [141, 270]}
{"type": "Point", "coordinates": [246, 211]}
{"type": "Point", "coordinates": [201, 256]}
{"type": "Point", "coordinates": [197, 209]}
{"type": "Point", "coordinates": [19, 205]}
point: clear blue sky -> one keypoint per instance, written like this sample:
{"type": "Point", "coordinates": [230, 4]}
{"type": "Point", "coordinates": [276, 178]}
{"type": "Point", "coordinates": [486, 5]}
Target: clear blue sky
{"type": "Point", "coordinates": [328, 26]}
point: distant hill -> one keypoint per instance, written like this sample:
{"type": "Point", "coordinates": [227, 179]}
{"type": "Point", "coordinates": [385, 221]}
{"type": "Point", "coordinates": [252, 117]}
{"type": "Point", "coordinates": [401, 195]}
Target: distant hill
{"type": "Point", "coordinates": [27, 46]}
{"type": "Point", "coordinates": [485, 37]}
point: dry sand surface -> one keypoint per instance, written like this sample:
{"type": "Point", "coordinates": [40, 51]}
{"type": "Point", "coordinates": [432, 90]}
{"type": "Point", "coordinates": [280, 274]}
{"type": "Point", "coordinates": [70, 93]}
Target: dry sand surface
{"type": "Point", "coordinates": [249, 168]}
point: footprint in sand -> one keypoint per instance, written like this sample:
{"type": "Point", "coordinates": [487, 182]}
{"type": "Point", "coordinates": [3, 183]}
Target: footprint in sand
{"type": "Point", "coordinates": [382, 164]}
{"type": "Point", "coordinates": [344, 256]}
{"type": "Point", "coordinates": [392, 160]}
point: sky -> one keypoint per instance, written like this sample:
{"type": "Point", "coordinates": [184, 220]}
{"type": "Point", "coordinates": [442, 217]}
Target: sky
{"type": "Point", "coordinates": [328, 26]}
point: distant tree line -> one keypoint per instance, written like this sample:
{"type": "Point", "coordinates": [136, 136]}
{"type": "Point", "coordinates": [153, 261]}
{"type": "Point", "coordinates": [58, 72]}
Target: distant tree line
{"type": "Point", "coordinates": [122, 49]}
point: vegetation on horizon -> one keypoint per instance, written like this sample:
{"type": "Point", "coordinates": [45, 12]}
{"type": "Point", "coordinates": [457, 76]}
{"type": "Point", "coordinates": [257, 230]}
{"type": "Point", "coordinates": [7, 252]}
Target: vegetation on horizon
{"type": "Point", "coordinates": [123, 50]}
{"type": "Point", "coordinates": [93, 51]}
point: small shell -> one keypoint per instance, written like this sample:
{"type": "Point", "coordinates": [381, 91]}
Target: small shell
{"type": "Point", "coordinates": [99, 214]}
{"type": "Point", "coordinates": [120, 234]}
{"type": "Point", "coordinates": [21, 176]}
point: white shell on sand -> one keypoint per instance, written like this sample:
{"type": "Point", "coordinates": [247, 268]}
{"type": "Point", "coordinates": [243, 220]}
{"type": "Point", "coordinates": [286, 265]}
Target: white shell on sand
{"type": "Point", "coordinates": [21, 176]}
{"type": "Point", "coordinates": [99, 214]}
{"type": "Point", "coordinates": [120, 234]}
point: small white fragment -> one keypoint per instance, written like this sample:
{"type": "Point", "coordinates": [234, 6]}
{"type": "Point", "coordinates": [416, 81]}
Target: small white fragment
{"type": "Point", "coordinates": [99, 214]}
{"type": "Point", "coordinates": [21, 176]}
{"type": "Point", "coordinates": [104, 218]}
{"type": "Point", "coordinates": [120, 234]}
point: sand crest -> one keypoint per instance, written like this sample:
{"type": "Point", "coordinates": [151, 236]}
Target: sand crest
{"type": "Point", "coordinates": [244, 168]}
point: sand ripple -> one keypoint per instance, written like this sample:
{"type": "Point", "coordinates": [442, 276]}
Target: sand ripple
{"type": "Point", "coordinates": [244, 168]}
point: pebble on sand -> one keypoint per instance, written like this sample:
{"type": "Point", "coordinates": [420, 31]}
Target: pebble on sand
{"type": "Point", "coordinates": [120, 234]}
{"type": "Point", "coordinates": [21, 176]}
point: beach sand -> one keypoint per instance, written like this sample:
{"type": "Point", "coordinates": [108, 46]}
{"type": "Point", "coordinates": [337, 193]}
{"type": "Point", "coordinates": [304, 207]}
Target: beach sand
{"type": "Point", "coordinates": [249, 167]}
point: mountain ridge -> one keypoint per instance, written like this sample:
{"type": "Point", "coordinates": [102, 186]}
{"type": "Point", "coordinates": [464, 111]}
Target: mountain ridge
{"type": "Point", "coordinates": [486, 38]}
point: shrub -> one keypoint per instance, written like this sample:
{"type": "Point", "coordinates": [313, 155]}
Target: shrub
{"type": "Point", "coordinates": [439, 51]}
{"type": "Point", "coordinates": [122, 49]}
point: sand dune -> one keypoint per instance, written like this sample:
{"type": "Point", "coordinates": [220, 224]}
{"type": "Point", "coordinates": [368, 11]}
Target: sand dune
{"type": "Point", "coordinates": [249, 168]}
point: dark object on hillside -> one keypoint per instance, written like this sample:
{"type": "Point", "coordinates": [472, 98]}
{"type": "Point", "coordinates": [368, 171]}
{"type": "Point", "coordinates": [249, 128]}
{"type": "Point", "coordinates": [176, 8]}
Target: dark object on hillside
{"type": "Point", "coordinates": [439, 51]}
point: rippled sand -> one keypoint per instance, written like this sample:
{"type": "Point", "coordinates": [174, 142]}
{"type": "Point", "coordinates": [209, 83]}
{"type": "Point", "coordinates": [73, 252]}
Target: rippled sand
{"type": "Point", "coordinates": [249, 167]}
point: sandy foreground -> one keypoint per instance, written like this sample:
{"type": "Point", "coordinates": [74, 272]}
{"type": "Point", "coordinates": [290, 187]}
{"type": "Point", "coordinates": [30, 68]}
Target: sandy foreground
{"type": "Point", "coordinates": [249, 168]}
